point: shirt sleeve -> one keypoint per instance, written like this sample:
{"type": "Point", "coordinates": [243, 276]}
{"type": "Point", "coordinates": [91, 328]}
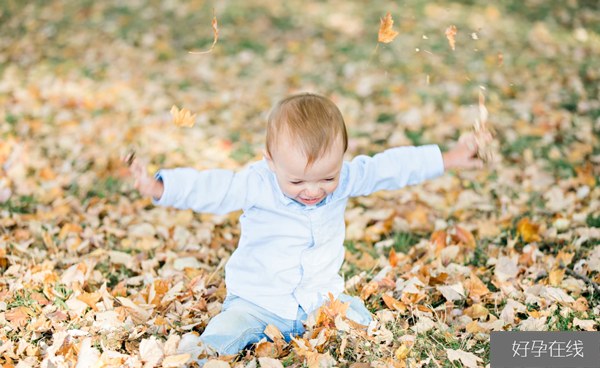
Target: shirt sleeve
{"type": "Point", "coordinates": [215, 191]}
{"type": "Point", "coordinates": [393, 169]}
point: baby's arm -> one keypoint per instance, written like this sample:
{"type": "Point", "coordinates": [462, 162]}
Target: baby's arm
{"type": "Point", "coordinates": [393, 169]}
{"type": "Point", "coordinates": [401, 166]}
{"type": "Point", "coordinates": [216, 191]}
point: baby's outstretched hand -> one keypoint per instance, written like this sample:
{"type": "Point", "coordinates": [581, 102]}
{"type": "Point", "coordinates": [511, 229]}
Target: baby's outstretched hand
{"type": "Point", "coordinates": [144, 183]}
{"type": "Point", "coordinates": [464, 154]}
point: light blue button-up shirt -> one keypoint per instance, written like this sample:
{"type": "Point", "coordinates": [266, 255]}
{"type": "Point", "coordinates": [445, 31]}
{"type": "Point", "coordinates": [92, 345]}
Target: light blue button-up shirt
{"type": "Point", "coordinates": [289, 254]}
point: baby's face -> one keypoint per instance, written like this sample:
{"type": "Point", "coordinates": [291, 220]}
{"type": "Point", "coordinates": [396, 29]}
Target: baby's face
{"type": "Point", "coordinates": [318, 182]}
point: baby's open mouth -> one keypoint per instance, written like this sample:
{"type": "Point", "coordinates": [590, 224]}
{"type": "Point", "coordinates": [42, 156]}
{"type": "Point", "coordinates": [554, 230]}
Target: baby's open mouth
{"type": "Point", "coordinates": [310, 201]}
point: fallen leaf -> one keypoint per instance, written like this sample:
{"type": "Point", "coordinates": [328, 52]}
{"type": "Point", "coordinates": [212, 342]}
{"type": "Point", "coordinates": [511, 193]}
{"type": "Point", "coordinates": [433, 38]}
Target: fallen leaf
{"type": "Point", "coordinates": [587, 324]}
{"type": "Point", "coordinates": [269, 363]}
{"type": "Point", "coordinates": [506, 269]}
{"type": "Point", "coordinates": [401, 352]}
{"type": "Point", "coordinates": [450, 33]}
{"type": "Point", "coordinates": [90, 299]}
{"type": "Point", "coordinates": [88, 355]}
{"type": "Point", "coordinates": [528, 231]}
{"type": "Point", "coordinates": [467, 359]}
{"type": "Point", "coordinates": [393, 258]}
{"type": "Point", "coordinates": [151, 352]}
{"type": "Point", "coordinates": [452, 292]}
{"type": "Point", "coordinates": [175, 360]}
{"type": "Point", "coordinates": [273, 332]}
{"type": "Point", "coordinates": [393, 303]}
{"type": "Point", "coordinates": [182, 118]}
{"type": "Point", "coordinates": [216, 30]}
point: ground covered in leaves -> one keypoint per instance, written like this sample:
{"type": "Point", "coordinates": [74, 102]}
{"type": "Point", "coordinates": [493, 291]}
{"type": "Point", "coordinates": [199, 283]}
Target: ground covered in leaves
{"type": "Point", "coordinates": [94, 275]}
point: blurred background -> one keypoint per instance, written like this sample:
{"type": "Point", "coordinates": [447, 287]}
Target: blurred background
{"type": "Point", "coordinates": [81, 80]}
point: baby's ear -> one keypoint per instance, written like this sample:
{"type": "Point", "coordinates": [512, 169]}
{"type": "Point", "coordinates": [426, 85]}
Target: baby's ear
{"type": "Point", "coordinates": [269, 160]}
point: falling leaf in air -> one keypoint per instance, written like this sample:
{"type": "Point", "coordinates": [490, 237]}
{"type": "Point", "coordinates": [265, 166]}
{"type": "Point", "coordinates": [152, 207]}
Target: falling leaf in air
{"type": "Point", "coordinates": [474, 34]}
{"type": "Point", "coordinates": [450, 33]}
{"type": "Point", "coordinates": [182, 118]}
{"type": "Point", "coordinates": [500, 59]}
{"type": "Point", "coordinates": [214, 25]}
{"type": "Point", "coordinates": [386, 33]}
{"type": "Point", "coordinates": [481, 131]}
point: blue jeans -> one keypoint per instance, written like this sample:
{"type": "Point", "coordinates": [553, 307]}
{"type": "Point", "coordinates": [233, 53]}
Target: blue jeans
{"type": "Point", "coordinates": [242, 323]}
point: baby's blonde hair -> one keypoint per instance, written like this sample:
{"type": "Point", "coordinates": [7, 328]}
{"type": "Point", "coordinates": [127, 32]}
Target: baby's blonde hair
{"type": "Point", "coordinates": [313, 122]}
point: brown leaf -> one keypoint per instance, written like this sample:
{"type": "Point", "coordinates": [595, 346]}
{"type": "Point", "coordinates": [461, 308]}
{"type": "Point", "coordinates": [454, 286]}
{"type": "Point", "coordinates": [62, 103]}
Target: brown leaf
{"type": "Point", "coordinates": [386, 34]}
{"type": "Point", "coordinates": [182, 118]}
{"type": "Point", "coordinates": [450, 33]}
{"type": "Point", "coordinates": [500, 59]}
{"type": "Point", "coordinates": [465, 237]}
{"type": "Point", "coordinates": [475, 288]}
{"type": "Point", "coordinates": [216, 30]}
{"type": "Point", "coordinates": [393, 303]}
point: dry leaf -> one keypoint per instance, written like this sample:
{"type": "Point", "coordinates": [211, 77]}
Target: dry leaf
{"type": "Point", "coordinates": [88, 355]}
{"type": "Point", "coordinates": [450, 33]}
{"type": "Point", "coordinates": [506, 269]}
{"type": "Point", "coordinates": [500, 59]}
{"type": "Point", "coordinates": [528, 231]}
{"type": "Point", "coordinates": [151, 352]}
{"type": "Point", "coordinates": [216, 30]}
{"type": "Point", "coordinates": [587, 325]}
{"type": "Point", "coordinates": [386, 34]}
{"type": "Point", "coordinates": [90, 299]}
{"type": "Point", "coordinates": [401, 352]}
{"type": "Point", "coordinates": [175, 360]}
{"type": "Point", "coordinates": [467, 359]}
{"type": "Point", "coordinates": [452, 292]}
{"type": "Point", "coordinates": [273, 333]}
{"type": "Point", "coordinates": [269, 363]}
{"type": "Point", "coordinates": [182, 118]}
{"type": "Point", "coordinates": [393, 258]}
{"type": "Point", "coordinates": [393, 303]}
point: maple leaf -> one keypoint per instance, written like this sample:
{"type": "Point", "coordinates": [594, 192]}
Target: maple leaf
{"type": "Point", "coordinates": [450, 33]}
{"type": "Point", "coordinates": [90, 299]}
{"type": "Point", "coordinates": [182, 118]}
{"type": "Point", "coordinates": [214, 25]}
{"type": "Point", "coordinates": [386, 33]}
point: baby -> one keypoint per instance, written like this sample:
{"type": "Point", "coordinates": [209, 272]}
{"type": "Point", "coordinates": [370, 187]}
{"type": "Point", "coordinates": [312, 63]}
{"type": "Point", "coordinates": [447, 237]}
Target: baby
{"type": "Point", "coordinates": [291, 245]}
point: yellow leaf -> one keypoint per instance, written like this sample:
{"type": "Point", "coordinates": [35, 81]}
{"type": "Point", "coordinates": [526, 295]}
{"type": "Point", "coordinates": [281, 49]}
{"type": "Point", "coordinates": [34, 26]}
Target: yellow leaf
{"type": "Point", "coordinates": [401, 352]}
{"type": "Point", "coordinates": [90, 299]}
{"type": "Point", "coordinates": [182, 118]}
{"type": "Point", "coordinates": [386, 34]}
{"type": "Point", "coordinates": [557, 276]}
{"type": "Point", "coordinates": [528, 231]}
{"type": "Point", "coordinates": [216, 30]}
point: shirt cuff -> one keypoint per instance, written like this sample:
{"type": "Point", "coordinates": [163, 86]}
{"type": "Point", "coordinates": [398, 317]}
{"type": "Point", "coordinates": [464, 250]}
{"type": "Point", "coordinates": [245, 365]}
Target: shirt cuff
{"type": "Point", "coordinates": [434, 163]}
{"type": "Point", "coordinates": [163, 199]}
